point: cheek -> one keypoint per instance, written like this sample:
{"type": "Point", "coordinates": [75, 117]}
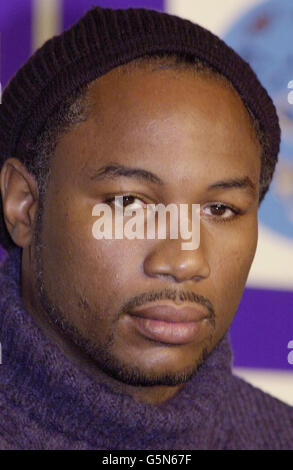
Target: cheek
{"type": "Point", "coordinates": [237, 263]}
{"type": "Point", "coordinates": [105, 278]}
{"type": "Point", "coordinates": [230, 268]}
{"type": "Point", "coordinates": [234, 247]}
{"type": "Point", "coordinates": [73, 253]}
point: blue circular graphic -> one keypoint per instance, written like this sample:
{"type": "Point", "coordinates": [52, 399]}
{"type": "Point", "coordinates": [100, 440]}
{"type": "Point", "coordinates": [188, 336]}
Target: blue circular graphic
{"type": "Point", "coordinates": [264, 38]}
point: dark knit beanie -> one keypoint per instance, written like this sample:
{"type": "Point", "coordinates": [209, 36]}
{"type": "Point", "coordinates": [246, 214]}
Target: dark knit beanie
{"type": "Point", "coordinates": [101, 40]}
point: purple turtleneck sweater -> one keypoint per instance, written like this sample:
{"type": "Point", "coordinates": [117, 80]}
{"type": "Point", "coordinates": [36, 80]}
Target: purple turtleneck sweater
{"type": "Point", "coordinates": [47, 402]}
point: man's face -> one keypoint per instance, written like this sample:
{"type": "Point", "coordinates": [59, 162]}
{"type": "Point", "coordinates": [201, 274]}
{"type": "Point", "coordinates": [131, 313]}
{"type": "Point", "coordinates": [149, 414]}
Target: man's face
{"type": "Point", "coordinates": [191, 132]}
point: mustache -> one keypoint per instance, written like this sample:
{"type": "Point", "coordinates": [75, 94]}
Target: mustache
{"type": "Point", "coordinates": [169, 294]}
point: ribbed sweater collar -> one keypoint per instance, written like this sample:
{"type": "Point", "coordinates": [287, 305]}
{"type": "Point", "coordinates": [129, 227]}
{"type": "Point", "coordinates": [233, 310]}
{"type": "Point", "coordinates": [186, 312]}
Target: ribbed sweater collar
{"type": "Point", "coordinates": [68, 401]}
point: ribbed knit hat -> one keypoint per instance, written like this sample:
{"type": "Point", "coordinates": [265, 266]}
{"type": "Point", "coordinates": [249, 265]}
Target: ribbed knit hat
{"type": "Point", "coordinates": [101, 40]}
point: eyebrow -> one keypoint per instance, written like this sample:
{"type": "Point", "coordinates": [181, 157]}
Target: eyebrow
{"type": "Point", "coordinates": [115, 171]}
{"type": "Point", "coordinates": [236, 183]}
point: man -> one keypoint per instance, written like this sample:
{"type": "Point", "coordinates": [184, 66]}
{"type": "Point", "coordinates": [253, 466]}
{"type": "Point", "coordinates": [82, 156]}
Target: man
{"type": "Point", "coordinates": [121, 343]}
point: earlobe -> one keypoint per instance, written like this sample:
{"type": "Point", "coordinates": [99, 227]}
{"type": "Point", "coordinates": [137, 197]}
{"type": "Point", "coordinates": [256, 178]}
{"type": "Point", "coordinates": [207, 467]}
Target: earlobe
{"type": "Point", "coordinates": [20, 201]}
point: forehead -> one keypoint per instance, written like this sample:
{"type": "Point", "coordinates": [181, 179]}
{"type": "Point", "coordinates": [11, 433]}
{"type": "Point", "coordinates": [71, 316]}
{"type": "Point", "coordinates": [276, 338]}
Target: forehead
{"type": "Point", "coordinates": [162, 115]}
{"type": "Point", "coordinates": [137, 95]}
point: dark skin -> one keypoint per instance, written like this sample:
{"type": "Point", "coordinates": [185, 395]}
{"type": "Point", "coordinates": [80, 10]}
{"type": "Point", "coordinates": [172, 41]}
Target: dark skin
{"type": "Point", "coordinates": [191, 131]}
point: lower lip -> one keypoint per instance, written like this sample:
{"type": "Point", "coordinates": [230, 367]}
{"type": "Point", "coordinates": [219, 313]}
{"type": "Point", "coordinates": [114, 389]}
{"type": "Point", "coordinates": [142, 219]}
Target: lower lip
{"type": "Point", "coordinates": [167, 332]}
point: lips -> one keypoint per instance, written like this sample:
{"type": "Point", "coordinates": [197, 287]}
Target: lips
{"type": "Point", "coordinates": [169, 324]}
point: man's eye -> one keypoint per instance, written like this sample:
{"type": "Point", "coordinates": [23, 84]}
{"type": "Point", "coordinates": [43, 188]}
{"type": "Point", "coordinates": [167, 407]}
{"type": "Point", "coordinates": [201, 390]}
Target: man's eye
{"type": "Point", "coordinates": [124, 201]}
{"type": "Point", "coordinates": [222, 212]}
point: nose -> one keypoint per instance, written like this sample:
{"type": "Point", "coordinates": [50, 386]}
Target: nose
{"type": "Point", "coordinates": [167, 258]}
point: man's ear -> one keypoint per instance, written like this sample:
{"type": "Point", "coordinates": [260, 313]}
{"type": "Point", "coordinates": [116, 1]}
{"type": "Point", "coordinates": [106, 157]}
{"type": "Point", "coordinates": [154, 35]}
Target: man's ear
{"type": "Point", "coordinates": [20, 199]}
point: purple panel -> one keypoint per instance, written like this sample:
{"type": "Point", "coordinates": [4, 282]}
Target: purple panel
{"type": "Point", "coordinates": [262, 329]}
{"type": "Point", "coordinates": [15, 28]}
{"type": "Point", "coordinates": [74, 9]}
